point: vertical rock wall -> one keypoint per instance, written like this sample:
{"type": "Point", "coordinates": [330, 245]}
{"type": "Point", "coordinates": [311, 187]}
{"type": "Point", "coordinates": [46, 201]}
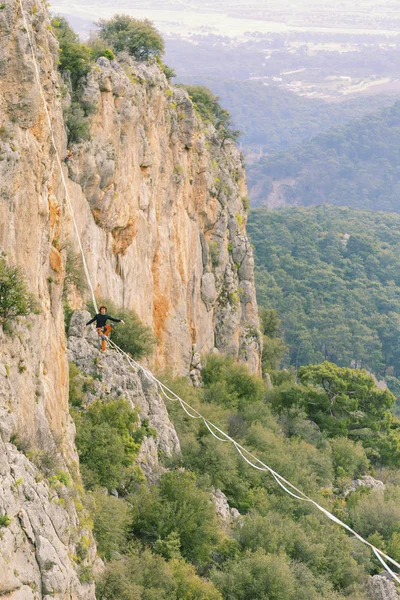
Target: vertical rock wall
{"type": "Point", "coordinates": [40, 530]}
{"type": "Point", "coordinates": [161, 205]}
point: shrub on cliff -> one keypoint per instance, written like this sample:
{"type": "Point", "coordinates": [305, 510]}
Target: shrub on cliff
{"type": "Point", "coordinates": [76, 123]}
{"type": "Point", "coordinates": [106, 444]}
{"type": "Point", "coordinates": [176, 515]}
{"type": "Point", "coordinates": [15, 299]}
{"type": "Point", "coordinates": [230, 384]}
{"type": "Point", "coordinates": [141, 574]}
{"type": "Point", "coordinates": [75, 57]}
{"type": "Point", "coordinates": [139, 38]}
{"type": "Point", "coordinates": [210, 110]}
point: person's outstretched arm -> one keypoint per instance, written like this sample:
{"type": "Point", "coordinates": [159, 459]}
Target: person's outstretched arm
{"type": "Point", "coordinates": [91, 320]}
{"type": "Point", "coordinates": [113, 319]}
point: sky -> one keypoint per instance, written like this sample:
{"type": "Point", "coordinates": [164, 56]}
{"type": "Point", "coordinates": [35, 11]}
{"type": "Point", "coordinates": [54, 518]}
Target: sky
{"type": "Point", "coordinates": [227, 17]}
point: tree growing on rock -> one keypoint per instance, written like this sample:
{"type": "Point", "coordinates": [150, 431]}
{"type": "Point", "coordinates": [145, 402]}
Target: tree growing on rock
{"type": "Point", "coordinates": [15, 299]}
{"type": "Point", "coordinates": [139, 38]}
{"type": "Point", "coordinates": [75, 57]}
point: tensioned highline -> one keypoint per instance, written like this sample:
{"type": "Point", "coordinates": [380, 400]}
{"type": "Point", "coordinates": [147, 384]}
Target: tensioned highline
{"type": "Point", "coordinates": [288, 487]}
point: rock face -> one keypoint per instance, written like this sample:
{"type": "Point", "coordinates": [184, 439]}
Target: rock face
{"type": "Point", "coordinates": [366, 481]}
{"type": "Point", "coordinates": [39, 522]}
{"type": "Point", "coordinates": [160, 206]}
{"type": "Point", "coordinates": [225, 513]}
{"type": "Point", "coordinates": [160, 203]}
{"type": "Point", "coordinates": [382, 588]}
{"type": "Point", "coordinates": [114, 378]}
{"type": "Point", "coordinates": [42, 535]}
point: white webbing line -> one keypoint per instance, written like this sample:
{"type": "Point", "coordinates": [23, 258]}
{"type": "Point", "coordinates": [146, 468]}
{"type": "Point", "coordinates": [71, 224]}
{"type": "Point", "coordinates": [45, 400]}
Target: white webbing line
{"type": "Point", "coordinates": [57, 153]}
{"type": "Point", "coordinates": [164, 389]}
{"type": "Point", "coordinates": [282, 481]}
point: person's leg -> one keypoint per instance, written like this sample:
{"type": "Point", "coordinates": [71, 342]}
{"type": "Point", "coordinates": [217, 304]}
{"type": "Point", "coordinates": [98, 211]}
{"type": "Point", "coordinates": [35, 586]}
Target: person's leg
{"type": "Point", "coordinates": [106, 332]}
{"type": "Point", "coordinates": [108, 329]}
{"type": "Point", "coordinates": [100, 331]}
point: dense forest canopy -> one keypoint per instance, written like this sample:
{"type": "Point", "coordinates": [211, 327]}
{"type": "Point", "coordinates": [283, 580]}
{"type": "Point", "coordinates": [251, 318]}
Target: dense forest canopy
{"type": "Point", "coordinates": [163, 539]}
{"type": "Point", "coordinates": [357, 165]}
{"type": "Point", "coordinates": [333, 275]}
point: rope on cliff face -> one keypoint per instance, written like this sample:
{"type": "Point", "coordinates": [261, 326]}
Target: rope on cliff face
{"type": "Point", "coordinates": [288, 487]}
{"type": "Point", "coordinates": [64, 182]}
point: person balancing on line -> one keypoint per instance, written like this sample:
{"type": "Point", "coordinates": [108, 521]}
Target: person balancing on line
{"type": "Point", "coordinates": [102, 328]}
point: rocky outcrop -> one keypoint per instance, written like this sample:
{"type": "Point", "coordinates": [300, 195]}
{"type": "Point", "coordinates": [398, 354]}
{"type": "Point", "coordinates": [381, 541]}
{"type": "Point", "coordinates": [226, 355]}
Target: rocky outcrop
{"type": "Point", "coordinates": [365, 482]}
{"type": "Point", "coordinates": [113, 377]}
{"type": "Point", "coordinates": [44, 551]}
{"type": "Point", "coordinates": [40, 531]}
{"type": "Point", "coordinates": [227, 515]}
{"type": "Point", "coordinates": [160, 203]}
{"type": "Point", "coordinates": [382, 588]}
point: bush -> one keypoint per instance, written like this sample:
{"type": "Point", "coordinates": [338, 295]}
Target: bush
{"type": "Point", "coordinates": [139, 38]}
{"type": "Point", "coordinates": [257, 576]}
{"type": "Point", "coordinates": [177, 505]}
{"type": "Point", "coordinates": [111, 521]}
{"type": "Point", "coordinates": [76, 123]}
{"type": "Point", "coordinates": [4, 520]}
{"type": "Point", "coordinates": [142, 575]}
{"type": "Point", "coordinates": [230, 384]}
{"type": "Point", "coordinates": [133, 337]}
{"type": "Point", "coordinates": [349, 458]}
{"type": "Point", "coordinates": [75, 58]}
{"type": "Point", "coordinates": [376, 513]}
{"type": "Point", "coordinates": [15, 300]}
{"type": "Point", "coordinates": [211, 111]}
{"type": "Point", "coordinates": [78, 385]}
{"type": "Point", "coordinates": [99, 48]}
{"type": "Point", "coordinates": [105, 444]}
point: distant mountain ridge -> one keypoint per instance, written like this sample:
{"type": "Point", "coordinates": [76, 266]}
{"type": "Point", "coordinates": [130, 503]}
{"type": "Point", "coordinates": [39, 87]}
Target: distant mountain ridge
{"type": "Point", "coordinates": [272, 119]}
{"type": "Point", "coordinates": [357, 165]}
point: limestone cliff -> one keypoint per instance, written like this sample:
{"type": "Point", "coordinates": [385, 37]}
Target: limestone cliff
{"type": "Point", "coordinates": [161, 209]}
{"type": "Point", "coordinates": [45, 550]}
{"type": "Point", "coordinates": [114, 378]}
{"type": "Point", "coordinates": [159, 203]}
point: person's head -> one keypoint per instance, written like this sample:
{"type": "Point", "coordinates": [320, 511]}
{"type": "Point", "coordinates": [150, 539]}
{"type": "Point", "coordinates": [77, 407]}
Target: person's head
{"type": "Point", "coordinates": [103, 309]}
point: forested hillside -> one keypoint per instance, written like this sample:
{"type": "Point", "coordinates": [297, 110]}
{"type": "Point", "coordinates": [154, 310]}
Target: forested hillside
{"type": "Point", "coordinates": [273, 119]}
{"type": "Point", "coordinates": [333, 275]}
{"type": "Point", "coordinates": [357, 165]}
{"type": "Point", "coordinates": [164, 540]}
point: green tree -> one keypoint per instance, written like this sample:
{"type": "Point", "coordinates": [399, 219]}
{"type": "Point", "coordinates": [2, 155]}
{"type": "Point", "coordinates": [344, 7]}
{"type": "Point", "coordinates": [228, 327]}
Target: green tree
{"type": "Point", "coordinates": [139, 38]}
{"type": "Point", "coordinates": [141, 575]}
{"type": "Point", "coordinates": [177, 505]}
{"type": "Point", "coordinates": [75, 57]}
{"type": "Point", "coordinates": [111, 520]}
{"type": "Point", "coordinates": [229, 383]}
{"type": "Point", "coordinates": [106, 444]}
{"type": "Point", "coordinates": [211, 111]}
{"type": "Point", "coordinates": [15, 299]}
{"type": "Point", "coordinates": [349, 458]}
{"type": "Point", "coordinates": [258, 576]}
{"type": "Point", "coordinates": [345, 401]}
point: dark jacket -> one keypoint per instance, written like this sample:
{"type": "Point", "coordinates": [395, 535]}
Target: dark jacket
{"type": "Point", "coordinates": [101, 320]}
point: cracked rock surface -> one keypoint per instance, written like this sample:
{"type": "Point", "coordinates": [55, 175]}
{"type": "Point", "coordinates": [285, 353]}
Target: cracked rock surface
{"type": "Point", "coordinates": [39, 533]}
{"type": "Point", "coordinates": [114, 378]}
